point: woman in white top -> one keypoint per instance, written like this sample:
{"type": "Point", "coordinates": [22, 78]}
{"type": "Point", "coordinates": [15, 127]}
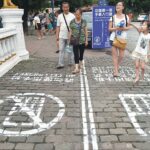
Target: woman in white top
{"type": "Point", "coordinates": [38, 26]}
{"type": "Point", "coordinates": [118, 25]}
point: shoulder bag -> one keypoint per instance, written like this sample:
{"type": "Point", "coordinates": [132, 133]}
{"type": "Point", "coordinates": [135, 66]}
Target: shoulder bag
{"type": "Point", "coordinates": [68, 48]}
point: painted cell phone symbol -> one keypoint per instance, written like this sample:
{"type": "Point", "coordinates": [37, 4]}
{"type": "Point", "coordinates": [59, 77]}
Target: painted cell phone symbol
{"type": "Point", "coordinates": [137, 107]}
{"type": "Point", "coordinates": [31, 105]}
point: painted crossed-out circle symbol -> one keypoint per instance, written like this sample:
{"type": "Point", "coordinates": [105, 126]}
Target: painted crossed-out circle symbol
{"type": "Point", "coordinates": [31, 104]}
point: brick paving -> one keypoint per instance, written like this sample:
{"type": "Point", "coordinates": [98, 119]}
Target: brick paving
{"type": "Point", "coordinates": [37, 88]}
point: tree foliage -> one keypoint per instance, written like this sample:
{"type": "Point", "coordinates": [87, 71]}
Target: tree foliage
{"type": "Point", "coordinates": [134, 5]}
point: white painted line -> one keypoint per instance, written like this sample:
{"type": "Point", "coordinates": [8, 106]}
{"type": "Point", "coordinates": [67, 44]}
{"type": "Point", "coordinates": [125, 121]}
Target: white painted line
{"type": "Point", "coordinates": [90, 108]}
{"type": "Point", "coordinates": [24, 102]}
{"type": "Point", "coordinates": [132, 115]}
{"type": "Point", "coordinates": [146, 103]}
{"type": "Point", "coordinates": [84, 118]}
{"type": "Point", "coordinates": [136, 104]}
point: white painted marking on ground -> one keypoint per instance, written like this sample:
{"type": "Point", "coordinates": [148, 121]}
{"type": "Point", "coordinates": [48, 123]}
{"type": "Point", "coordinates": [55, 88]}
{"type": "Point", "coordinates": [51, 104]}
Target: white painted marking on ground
{"type": "Point", "coordinates": [90, 108]}
{"type": "Point", "coordinates": [37, 77]}
{"type": "Point", "coordinates": [84, 117]}
{"type": "Point", "coordinates": [1, 101]}
{"type": "Point", "coordinates": [23, 104]}
{"type": "Point", "coordinates": [127, 74]}
{"type": "Point", "coordinates": [136, 100]}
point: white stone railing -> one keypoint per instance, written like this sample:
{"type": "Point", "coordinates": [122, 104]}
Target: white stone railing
{"type": "Point", "coordinates": [12, 42]}
{"type": "Point", "coordinates": [8, 44]}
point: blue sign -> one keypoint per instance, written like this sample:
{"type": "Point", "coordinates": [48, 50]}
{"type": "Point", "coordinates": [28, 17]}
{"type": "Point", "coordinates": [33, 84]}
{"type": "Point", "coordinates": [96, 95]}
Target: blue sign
{"type": "Point", "coordinates": [101, 16]}
{"type": "Point", "coordinates": [103, 2]}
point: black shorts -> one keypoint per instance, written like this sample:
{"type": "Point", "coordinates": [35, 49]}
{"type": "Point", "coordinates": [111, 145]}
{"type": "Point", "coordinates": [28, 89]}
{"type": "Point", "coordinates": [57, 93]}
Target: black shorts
{"type": "Point", "coordinates": [38, 27]}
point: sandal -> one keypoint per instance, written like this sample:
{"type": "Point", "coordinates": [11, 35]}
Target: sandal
{"type": "Point", "coordinates": [136, 82]}
{"type": "Point", "coordinates": [75, 71]}
{"type": "Point", "coordinates": [115, 75]}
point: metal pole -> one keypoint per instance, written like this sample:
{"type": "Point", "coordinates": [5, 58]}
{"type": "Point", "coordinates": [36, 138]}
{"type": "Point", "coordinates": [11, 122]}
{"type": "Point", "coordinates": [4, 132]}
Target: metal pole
{"type": "Point", "coordinates": [52, 4]}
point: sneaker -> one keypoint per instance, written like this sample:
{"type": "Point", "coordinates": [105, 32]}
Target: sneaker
{"type": "Point", "coordinates": [60, 67]}
{"type": "Point", "coordinates": [57, 51]}
{"type": "Point", "coordinates": [76, 71]}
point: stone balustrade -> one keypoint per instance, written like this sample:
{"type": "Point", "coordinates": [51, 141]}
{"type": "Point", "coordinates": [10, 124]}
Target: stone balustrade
{"type": "Point", "coordinates": [12, 42]}
{"type": "Point", "coordinates": [8, 44]}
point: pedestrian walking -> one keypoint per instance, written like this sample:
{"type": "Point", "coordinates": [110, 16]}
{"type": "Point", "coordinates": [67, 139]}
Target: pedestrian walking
{"type": "Point", "coordinates": [43, 23]}
{"type": "Point", "coordinates": [79, 39]}
{"type": "Point", "coordinates": [49, 22]}
{"type": "Point", "coordinates": [142, 50]}
{"type": "Point", "coordinates": [118, 25]}
{"type": "Point", "coordinates": [62, 34]}
{"type": "Point", "coordinates": [38, 26]}
{"type": "Point", "coordinates": [55, 24]}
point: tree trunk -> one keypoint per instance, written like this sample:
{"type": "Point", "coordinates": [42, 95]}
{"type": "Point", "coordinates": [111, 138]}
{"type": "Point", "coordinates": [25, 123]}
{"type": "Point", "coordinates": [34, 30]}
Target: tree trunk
{"type": "Point", "coordinates": [25, 16]}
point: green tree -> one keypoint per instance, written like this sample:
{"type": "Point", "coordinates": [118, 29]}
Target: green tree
{"type": "Point", "coordinates": [134, 5]}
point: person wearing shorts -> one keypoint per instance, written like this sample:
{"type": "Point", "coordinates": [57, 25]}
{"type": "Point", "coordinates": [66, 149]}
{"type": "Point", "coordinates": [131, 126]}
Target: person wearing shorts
{"type": "Point", "coordinates": [38, 26]}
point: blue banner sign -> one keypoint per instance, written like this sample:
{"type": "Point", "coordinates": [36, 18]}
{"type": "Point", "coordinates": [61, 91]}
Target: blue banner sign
{"type": "Point", "coordinates": [103, 2]}
{"type": "Point", "coordinates": [101, 16]}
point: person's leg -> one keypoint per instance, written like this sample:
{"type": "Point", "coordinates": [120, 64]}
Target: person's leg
{"type": "Point", "coordinates": [76, 59]}
{"type": "Point", "coordinates": [62, 44]}
{"type": "Point", "coordinates": [71, 58]}
{"type": "Point", "coordinates": [57, 43]}
{"type": "Point", "coordinates": [115, 61]}
{"type": "Point", "coordinates": [143, 69]}
{"type": "Point", "coordinates": [50, 29]}
{"type": "Point", "coordinates": [38, 34]}
{"type": "Point", "coordinates": [137, 69]}
{"type": "Point", "coordinates": [81, 49]}
{"type": "Point", "coordinates": [76, 54]}
{"type": "Point", "coordinates": [121, 55]}
{"type": "Point", "coordinates": [41, 33]}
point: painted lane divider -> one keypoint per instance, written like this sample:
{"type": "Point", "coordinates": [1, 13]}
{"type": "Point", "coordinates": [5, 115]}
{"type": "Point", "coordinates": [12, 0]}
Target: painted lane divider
{"type": "Point", "coordinates": [86, 99]}
{"type": "Point", "coordinates": [84, 117]}
{"type": "Point", "coordinates": [90, 108]}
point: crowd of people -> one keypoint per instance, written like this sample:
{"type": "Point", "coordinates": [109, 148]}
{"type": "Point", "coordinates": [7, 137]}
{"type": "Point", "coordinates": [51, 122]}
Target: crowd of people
{"type": "Point", "coordinates": [71, 29]}
{"type": "Point", "coordinates": [43, 22]}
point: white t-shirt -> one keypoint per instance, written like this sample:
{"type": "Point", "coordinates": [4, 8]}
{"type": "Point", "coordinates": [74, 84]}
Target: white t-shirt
{"type": "Point", "coordinates": [37, 19]}
{"type": "Point", "coordinates": [61, 23]}
{"type": "Point", "coordinates": [118, 22]}
{"type": "Point", "coordinates": [142, 46]}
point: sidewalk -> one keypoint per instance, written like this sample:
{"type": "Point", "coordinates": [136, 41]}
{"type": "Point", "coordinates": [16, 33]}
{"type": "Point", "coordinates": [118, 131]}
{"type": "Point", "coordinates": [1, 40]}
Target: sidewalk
{"type": "Point", "coordinates": [42, 108]}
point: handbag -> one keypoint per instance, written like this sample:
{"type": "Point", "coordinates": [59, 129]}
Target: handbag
{"type": "Point", "coordinates": [120, 43]}
{"type": "Point", "coordinates": [75, 40]}
{"type": "Point", "coordinates": [69, 48]}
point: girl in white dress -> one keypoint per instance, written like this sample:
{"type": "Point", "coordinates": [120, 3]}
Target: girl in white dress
{"type": "Point", "coordinates": [142, 50]}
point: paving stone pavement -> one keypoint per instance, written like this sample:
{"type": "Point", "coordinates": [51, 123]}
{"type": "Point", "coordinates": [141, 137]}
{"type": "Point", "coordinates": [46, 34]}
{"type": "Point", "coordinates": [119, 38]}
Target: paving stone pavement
{"type": "Point", "coordinates": [42, 108]}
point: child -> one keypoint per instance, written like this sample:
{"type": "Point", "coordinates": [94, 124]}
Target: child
{"type": "Point", "coordinates": [142, 50]}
